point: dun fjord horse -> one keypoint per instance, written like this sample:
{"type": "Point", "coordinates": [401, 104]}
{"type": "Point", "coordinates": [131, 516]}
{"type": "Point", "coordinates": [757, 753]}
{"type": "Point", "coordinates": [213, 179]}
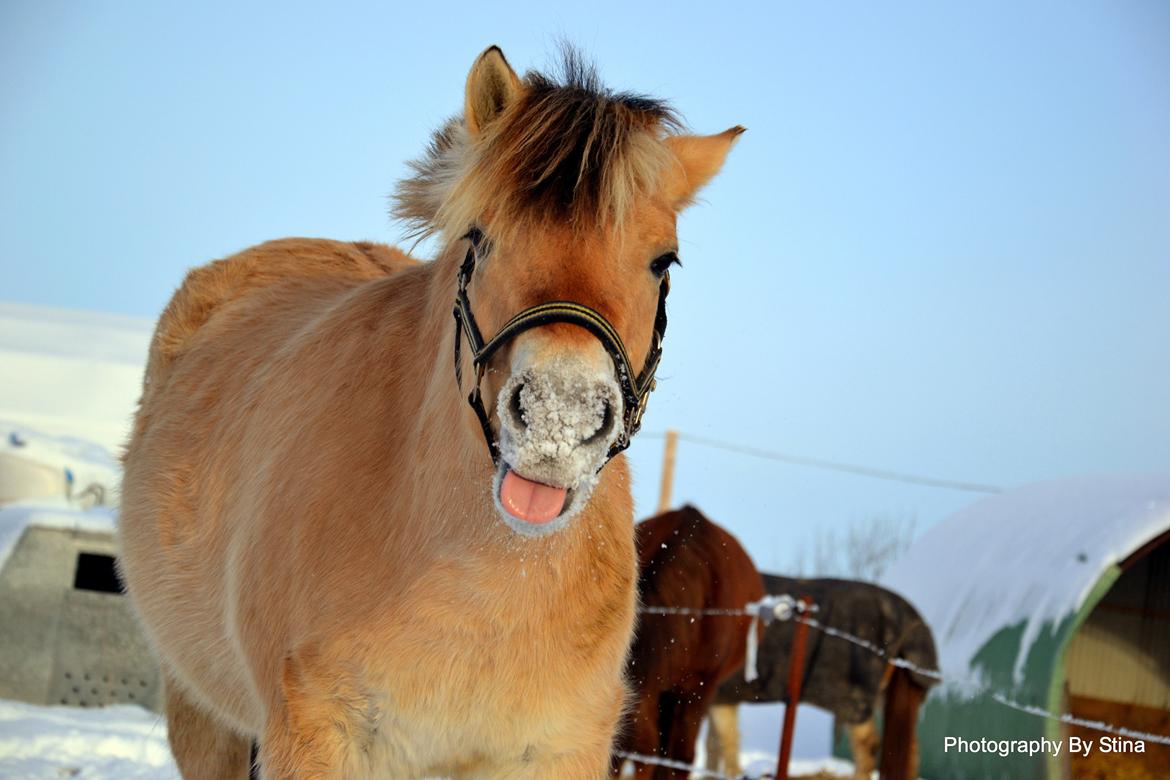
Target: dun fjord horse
{"type": "Point", "coordinates": [677, 660]}
{"type": "Point", "coordinates": [325, 555]}
{"type": "Point", "coordinates": [841, 677]}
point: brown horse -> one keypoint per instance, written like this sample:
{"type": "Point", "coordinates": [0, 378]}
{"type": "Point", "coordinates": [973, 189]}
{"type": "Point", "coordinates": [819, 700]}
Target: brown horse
{"type": "Point", "coordinates": [325, 555]}
{"type": "Point", "coordinates": [844, 679]}
{"type": "Point", "coordinates": [678, 660]}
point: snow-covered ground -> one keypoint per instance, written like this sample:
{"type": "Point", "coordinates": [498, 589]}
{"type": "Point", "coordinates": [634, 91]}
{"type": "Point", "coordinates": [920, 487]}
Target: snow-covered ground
{"type": "Point", "coordinates": [113, 743]}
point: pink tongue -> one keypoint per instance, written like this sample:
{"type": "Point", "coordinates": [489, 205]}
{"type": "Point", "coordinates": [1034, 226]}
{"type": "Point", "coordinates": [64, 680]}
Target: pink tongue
{"type": "Point", "coordinates": [530, 501]}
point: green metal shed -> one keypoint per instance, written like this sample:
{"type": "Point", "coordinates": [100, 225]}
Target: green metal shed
{"type": "Point", "coordinates": [1056, 597]}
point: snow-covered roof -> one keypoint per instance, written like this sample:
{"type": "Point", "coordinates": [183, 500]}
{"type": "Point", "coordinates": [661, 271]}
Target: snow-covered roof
{"type": "Point", "coordinates": [87, 462]}
{"type": "Point", "coordinates": [1030, 555]}
{"type": "Point", "coordinates": [49, 513]}
{"type": "Point", "coordinates": [72, 372]}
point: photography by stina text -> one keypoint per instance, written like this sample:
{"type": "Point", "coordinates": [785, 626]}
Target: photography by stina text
{"type": "Point", "coordinates": [1074, 745]}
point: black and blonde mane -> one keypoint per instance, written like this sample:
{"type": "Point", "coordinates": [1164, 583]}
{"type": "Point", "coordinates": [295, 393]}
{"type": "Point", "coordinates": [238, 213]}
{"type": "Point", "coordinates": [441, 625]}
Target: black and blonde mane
{"type": "Point", "coordinates": [567, 150]}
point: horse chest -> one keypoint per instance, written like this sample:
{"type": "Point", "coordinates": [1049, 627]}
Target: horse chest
{"type": "Point", "coordinates": [460, 694]}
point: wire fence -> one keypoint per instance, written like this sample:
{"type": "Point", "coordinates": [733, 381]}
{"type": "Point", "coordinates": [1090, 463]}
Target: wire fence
{"type": "Point", "coordinates": [824, 464]}
{"type": "Point", "coordinates": [787, 607]}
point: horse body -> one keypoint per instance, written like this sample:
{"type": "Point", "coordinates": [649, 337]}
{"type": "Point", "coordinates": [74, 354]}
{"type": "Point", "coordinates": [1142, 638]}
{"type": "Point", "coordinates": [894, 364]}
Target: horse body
{"type": "Point", "coordinates": [358, 614]}
{"type": "Point", "coordinates": [841, 677]}
{"type": "Point", "coordinates": [677, 660]}
{"type": "Point", "coordinates": [312, 531]}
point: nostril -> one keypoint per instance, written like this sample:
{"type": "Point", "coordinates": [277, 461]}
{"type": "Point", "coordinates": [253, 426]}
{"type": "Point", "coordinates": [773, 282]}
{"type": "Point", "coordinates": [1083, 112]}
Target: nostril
{"type": "Point", "coordinates": [606, 427]}
{"type": "Point", "coordinates": [516, 409]}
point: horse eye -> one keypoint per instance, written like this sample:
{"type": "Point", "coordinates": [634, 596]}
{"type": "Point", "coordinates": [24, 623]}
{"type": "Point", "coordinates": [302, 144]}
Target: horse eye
{"type": "Point", "coordinates": [475, 236]}
{"type": "Point", "coordinates": [663, 263]}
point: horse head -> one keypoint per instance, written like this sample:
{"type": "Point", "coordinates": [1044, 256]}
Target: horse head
{"type": "Point", "coordinates": [561, 198]}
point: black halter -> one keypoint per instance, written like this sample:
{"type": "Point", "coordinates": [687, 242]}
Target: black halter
{"type": "Point", "coordinates": [635, 390]}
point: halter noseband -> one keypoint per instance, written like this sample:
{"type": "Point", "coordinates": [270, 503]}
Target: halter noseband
{"type": "Point", "coordinates": [635, 390]}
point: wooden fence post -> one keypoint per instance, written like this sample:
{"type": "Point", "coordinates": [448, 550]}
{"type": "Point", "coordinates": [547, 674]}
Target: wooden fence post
{"type": "Point", "coordinates": [667, 471]}
{"type": "Point", "coordinates": [795, 680]}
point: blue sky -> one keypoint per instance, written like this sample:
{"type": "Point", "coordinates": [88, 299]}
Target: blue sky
{"type": "Point", "coordinates": [943, 247]}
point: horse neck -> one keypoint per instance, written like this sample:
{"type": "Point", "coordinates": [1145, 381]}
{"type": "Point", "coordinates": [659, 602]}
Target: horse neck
{"type": "Point", "coordinates": [446, 429]}
{"type": "Point", "coordinates": [451, 469]}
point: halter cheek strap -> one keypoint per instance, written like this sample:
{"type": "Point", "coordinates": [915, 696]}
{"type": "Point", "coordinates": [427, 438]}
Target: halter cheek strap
{"type": "Point", "coordinates": [635, 389]}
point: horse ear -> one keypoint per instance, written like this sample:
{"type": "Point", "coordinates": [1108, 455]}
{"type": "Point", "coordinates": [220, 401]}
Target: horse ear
{"type": "Point", "coordinates": [491, 85]}
{"type": "Point", "coordinates": [700, 157]}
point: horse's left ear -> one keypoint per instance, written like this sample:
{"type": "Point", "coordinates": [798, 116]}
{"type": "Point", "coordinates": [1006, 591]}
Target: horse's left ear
{"type": "Point", "coordinates": [700, 157]}
{"type": "Point", "coordinates": [491, 86]}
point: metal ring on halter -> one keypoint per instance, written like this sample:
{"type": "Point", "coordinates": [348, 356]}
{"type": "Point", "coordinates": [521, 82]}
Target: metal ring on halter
{"type": "Point", "coordinates": [635, 389]}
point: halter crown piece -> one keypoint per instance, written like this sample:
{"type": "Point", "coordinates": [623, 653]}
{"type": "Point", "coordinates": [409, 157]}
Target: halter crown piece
{"type": "Point", "coordinates": [635, 389]}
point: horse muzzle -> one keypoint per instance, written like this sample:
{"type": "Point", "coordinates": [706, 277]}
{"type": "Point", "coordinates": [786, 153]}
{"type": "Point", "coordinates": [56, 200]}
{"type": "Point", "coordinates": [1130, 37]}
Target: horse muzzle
{"type": "Point", "coordinates": [557, 424]}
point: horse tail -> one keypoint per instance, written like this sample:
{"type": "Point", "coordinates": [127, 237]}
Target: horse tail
{"type": "Point", "coordinates": [899, 733]}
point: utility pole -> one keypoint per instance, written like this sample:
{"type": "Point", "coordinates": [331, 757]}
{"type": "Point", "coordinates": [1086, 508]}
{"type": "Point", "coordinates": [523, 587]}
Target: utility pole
{"type": "Point", "coordinates": [667, 470]}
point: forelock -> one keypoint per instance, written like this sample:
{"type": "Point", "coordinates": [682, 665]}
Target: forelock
{"type": "Point", "coordinates": [568, 151]}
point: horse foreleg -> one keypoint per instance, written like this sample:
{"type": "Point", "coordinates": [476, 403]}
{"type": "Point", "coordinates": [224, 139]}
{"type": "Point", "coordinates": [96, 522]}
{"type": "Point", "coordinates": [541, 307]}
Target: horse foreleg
{"type": "Point", "coordinates": [689, 709]}
{"type": "Point", "coordinates": [863, 743]}
{"type": "Point", "coordinates": [583, 752]}
{"type": "Point", "coordinates": [204, 749]}
{"type": "Point", "coordinates": [587, 764]}
{"type": "Point", "coordinates": [723, 738]}
{"type": "Point", "coordinates": [670, 708]}
{"type": "Point", "coordinates": [714, 745]}
{"type": "Point", "coordinates": [321, 726]}
{"type": "Point", "coordinates": [641, 735]}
